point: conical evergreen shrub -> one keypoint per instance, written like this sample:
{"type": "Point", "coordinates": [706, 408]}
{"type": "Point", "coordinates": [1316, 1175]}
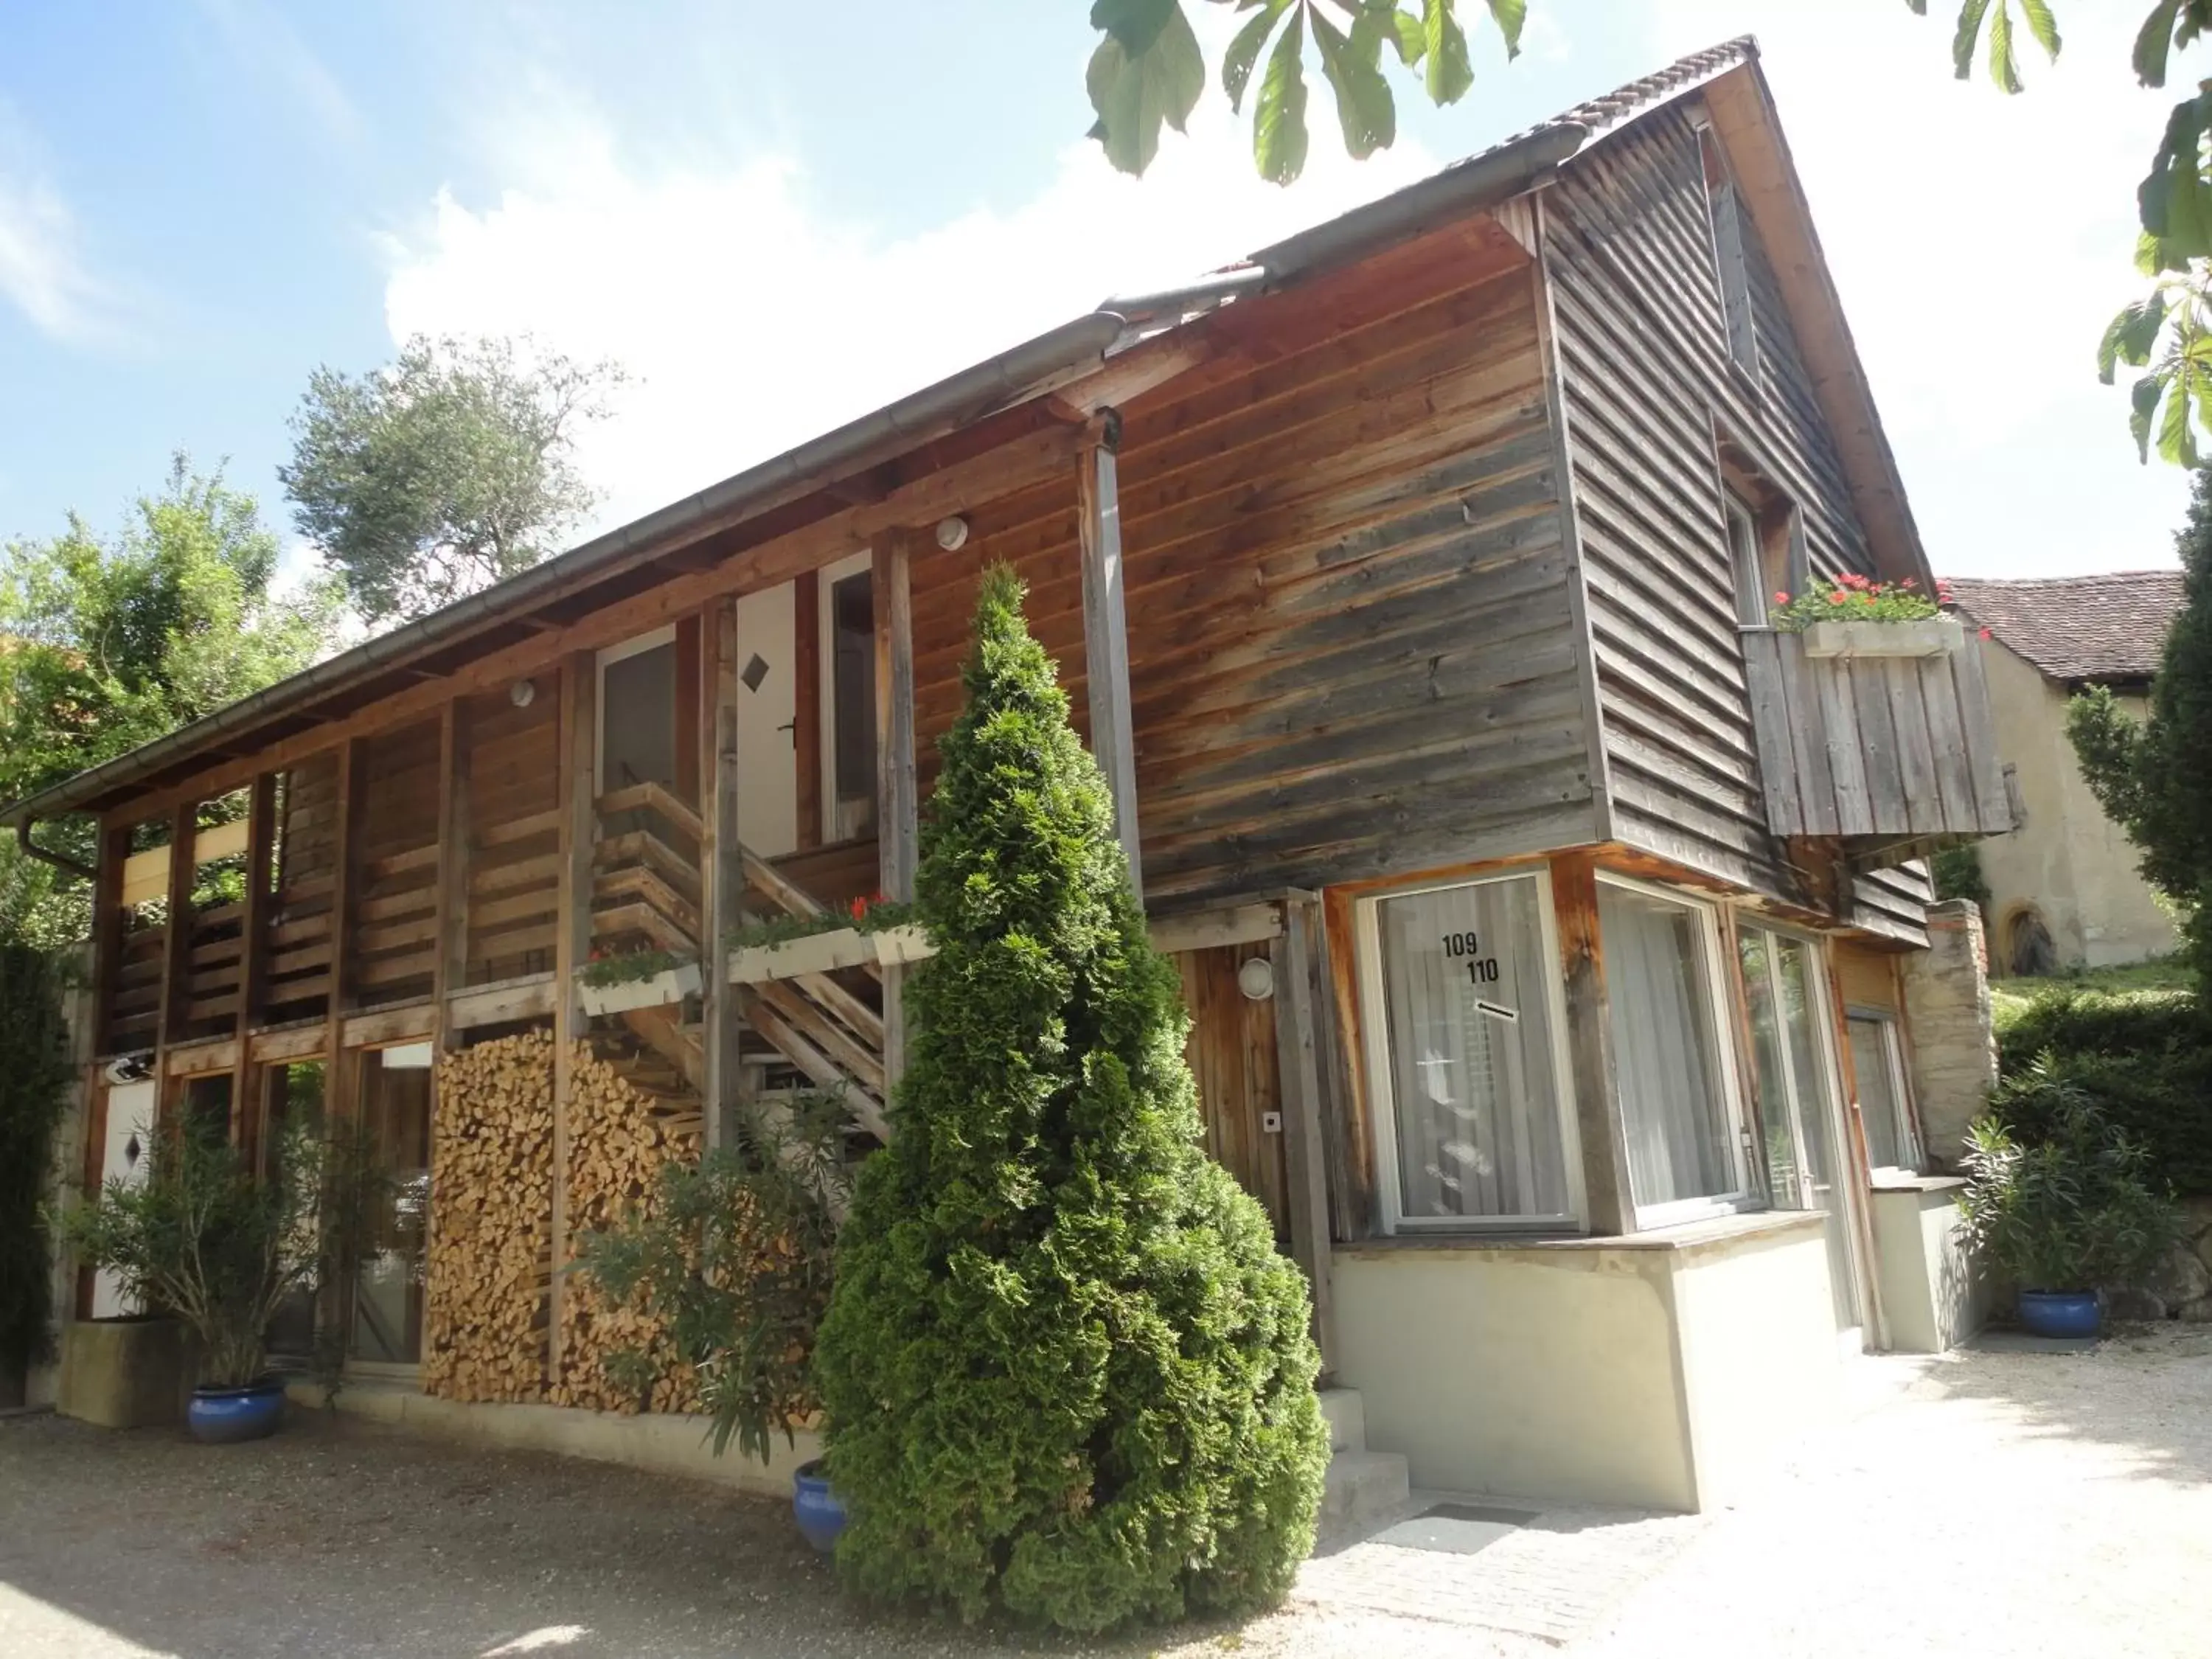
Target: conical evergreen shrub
{"type": "Point", "coordinates": [1066, 1374]}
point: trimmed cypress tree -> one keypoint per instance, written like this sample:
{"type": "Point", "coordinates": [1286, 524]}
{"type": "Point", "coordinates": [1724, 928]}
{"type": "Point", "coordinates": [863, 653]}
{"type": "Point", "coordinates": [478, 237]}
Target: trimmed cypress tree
{"type": "Point", "coordinates": [2155, 778]}
{"type": "Point", "coordinates": [1066, 1374]}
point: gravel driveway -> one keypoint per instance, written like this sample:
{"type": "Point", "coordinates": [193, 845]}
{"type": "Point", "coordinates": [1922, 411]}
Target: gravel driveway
{"type": "Point", "coordinates": [1988, 1504]}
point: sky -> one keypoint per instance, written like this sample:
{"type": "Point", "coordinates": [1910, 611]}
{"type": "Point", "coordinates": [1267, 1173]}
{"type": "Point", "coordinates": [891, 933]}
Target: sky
{"type": "Point", "coordinates": [777, 218]}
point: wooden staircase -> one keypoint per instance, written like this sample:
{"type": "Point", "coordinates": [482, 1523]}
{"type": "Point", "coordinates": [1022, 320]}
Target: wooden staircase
{"type": "Point", "coordinates": [821, 1030]}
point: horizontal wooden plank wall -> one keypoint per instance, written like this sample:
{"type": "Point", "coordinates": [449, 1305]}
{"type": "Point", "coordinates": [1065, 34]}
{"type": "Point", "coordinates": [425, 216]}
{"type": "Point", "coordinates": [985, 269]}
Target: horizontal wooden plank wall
{"type": "Point", "coordinates": [514, 819]}
{"type": "Point", "coordinates": [395, 942]}
{"type": "Point", "coordinates": [1644, 357]}
{"type": "Point", "coordinates": [1351, 644]}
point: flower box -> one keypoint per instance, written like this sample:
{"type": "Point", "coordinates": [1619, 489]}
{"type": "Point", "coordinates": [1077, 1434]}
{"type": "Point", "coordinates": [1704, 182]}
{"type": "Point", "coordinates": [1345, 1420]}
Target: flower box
{"type": "Point", "coordinates": [825, 953]}
{"type": "Point", "coordinates": [671, 985]}
{"type": "Point", "coordinates": [1930, 636]}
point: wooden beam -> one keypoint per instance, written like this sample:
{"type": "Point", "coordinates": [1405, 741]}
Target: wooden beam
{"type": "Point", "coordinates": [1589, 1047]}
{"type": "Point", "coordinates": [253, 957]}
{"type": "Point", "coordinates": [721, 869]}
{"type": "Point", "coordinates": [806, 704]}
{"type": "Point", "coordinates": [1106, 636]}
{"type": "Point", "coordinates": [1032, 459]}
{"type": "Point", "coordinates": [451, 973]}
{"type": "Point", "coordinates": [176, 941]}
{"type": "Point", "coordinates": [108, 930]}
{"type": "Point", "coordinates": [897, 806]}
{"type": "Point", "coordinates": [572, 942]}
{"type": "Point", "coordinates": [1300, 999]}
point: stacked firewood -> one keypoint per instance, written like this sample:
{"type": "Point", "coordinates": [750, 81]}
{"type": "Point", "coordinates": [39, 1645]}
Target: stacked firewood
{"type": "Point", "coordinates": [621, 1136]}
{"type": "Point", "coordinates": [490, 1250]}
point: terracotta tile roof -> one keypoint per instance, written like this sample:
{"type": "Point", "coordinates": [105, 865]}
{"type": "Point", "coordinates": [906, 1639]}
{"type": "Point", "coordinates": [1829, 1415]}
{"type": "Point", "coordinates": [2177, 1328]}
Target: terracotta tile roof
{"type": "Point", "coordinates": [2078, 627]}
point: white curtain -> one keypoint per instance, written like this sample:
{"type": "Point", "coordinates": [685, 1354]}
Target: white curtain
{"type": "Point", "coordinates": [1657, 984]}
{"type": "Point", "coordinates": [1466, 983]}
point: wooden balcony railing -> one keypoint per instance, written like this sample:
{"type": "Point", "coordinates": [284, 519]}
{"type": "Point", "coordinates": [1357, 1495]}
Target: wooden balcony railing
{"type": "Point", "coordinates": [1896, 757]}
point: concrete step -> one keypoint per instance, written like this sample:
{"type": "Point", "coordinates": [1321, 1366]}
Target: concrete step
{"type": "Point", "coordinates": [1363, 1486]}
{"type": "Point", "coordinates": [1348, 1419]}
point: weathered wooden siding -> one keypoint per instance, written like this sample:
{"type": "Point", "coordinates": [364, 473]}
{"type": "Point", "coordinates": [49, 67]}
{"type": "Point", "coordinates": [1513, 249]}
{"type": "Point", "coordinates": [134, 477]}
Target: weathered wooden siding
{"type": "Point", "coordinates": [514, 817]}
{"type": "Point", "coordinates": [1352, 646]}
{"type": "Point", "coordinates": [1648, 378]}
{"type": "Point", "coordinates": [1232, 1058]}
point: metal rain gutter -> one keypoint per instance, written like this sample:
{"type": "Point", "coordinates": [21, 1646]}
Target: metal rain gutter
{"type": "Point", "coordinates": [985, 387]}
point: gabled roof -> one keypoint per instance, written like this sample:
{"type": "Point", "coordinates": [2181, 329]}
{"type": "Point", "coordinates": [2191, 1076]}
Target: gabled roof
{"type": "Point", "coordinates": [725, 515]}
{"type": "Point", "coordinates": [2078, 627]}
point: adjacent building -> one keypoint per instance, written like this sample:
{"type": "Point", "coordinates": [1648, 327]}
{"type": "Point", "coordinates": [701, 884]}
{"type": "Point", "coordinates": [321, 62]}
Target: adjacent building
{"type": "Point", "coordinates": [2064, 891]}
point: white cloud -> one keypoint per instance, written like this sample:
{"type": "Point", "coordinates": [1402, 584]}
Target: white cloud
{"type": "Point", "coordinates": [754, 321]}
{"type": "Point", "coordinates": [1980, 244]}
{"type": "Point", "coordinates": [42, 269]}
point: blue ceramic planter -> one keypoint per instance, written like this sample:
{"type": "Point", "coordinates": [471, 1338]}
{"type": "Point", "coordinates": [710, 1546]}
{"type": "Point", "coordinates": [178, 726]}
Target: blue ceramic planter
{"type": "Point", "coordinates": [815, 1507]}
{"type": "Point", "coordinates": [2061, 1313]}
{"type": "Point", "coordinates": [221, 1417]}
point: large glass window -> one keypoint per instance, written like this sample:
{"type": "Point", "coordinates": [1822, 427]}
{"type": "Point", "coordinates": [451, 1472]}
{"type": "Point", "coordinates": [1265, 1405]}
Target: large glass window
{"type": "Point", "coordinates": [1674, 1089]}
{"type": "Point", "coordinates": [1467, 978]}
{"type": "Point", "coordinates": [1805, 1167]}
{"type": "Point", "coordinates": [1877, 1060]}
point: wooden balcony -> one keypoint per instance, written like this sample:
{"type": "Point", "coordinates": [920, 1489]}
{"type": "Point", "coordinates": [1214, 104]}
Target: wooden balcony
{"type": "Point", "coordinates": [1894, 755]}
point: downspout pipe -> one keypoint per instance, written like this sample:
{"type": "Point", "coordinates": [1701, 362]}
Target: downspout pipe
{"type": "Point", "coordinates": [59, 860]}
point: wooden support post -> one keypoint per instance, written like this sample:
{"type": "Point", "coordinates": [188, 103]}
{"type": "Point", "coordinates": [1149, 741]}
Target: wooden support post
{"type": "Point", "coordinates": [340, 1111]}
{"type": "Point", "coordinates": [897, 804]}
{"type": "Point", "coordinates": [1300, 999]}
{"type": "Point", "coordinates": [107, 931]}
{"type": "Point", "coordinates": [1589, 1047]}
{"type": "Point", "coordinates": [806, 703]}
{"type": "Point", "coordinates": [1106, 633]}
{"type": "Point", "coordinates": [176, 949]}
{"type": "Point", "coordinates": [721, 869]}
{"type": "Point", "coordinates": [449, 973]}
{"type": "Point", "coordinates": [252, 959]}
{"type": "Point", "coordinates": [572, 947]}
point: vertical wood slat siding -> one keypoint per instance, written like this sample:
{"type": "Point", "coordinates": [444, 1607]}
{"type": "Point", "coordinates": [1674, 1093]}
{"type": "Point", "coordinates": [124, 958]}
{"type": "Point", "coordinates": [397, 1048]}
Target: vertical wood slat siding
{"type": "Point", "coordinates": [1232, 1054]}
{"type": "Point", "coordinates": [1646, 362]}
{"type": "Point", "coordinates": [1351, 644]}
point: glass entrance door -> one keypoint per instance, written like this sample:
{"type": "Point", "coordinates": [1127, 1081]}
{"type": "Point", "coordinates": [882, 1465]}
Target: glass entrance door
{"type": "Point", "coordinates": [395, 1128]}
{"type": "Point", "coordinates": [1807, 1169]}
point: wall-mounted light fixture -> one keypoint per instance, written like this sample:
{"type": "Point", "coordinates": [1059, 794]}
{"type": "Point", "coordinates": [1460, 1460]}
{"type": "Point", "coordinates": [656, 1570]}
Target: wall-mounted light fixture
{"type": "Point", "coordinates": [1256, 979]}
{"type": "Point", "coordinates": [953, 534]}
{"type": "Point", "coordinates": [522, 693]}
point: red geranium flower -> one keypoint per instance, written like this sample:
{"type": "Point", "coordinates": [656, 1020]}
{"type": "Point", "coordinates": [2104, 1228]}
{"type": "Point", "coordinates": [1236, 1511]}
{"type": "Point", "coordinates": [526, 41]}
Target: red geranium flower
{"type": "Point", "coordinates": [1985, 633]}
{"type": "Point", "coordinates": [1839, 599]}
{"type": "Point", "coordinates": [1780, 598]}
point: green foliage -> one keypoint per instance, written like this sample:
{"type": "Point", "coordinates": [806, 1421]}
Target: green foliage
{"type": "Point", "coordinates": [1148, 71]}
{"type": "Point", "coordinates": [2057, 1196]}
{"type": "Point", "coordinates": [1066, 1373]}
{"type": "Point", "coordinates": [35, 1076]}
{"type": "Point", "coordinates": [1851, 598]}
{"type": "Point", "coordinates": [113, 641]}
{"type": "Point", "coordinates": [875, 915]}
{"type": "Point", "coordinates": [197, 1235]}
{"type": "Point", "coordinates": [738, 1260]}
{"type": "Point", "coordinates": [628, 966]}
{"type": "Point", "coordinates": [2143, 1052]}
{"type": "Point", "coordinates": [444, 471]}
{"type": "Point", "coordinates": [2154, 778]}
{"type": "Point", "coordinates": [1958, 874]}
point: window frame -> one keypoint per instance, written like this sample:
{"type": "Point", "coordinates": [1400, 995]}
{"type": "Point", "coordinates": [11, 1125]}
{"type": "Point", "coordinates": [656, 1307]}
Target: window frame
{"type": "Point", "coordinates": [1906, 1125]}
{"type": "Point", "coordinates": [603, 660]}
{"type": "Point", "coordinates": [1749, 1195]}
{"type": "Point", "coordinates": [826, 580]}
{"type": "Point", "coordinates": [1727, 231]}
{"type": "Point", "coordinates": [1382, 1085]}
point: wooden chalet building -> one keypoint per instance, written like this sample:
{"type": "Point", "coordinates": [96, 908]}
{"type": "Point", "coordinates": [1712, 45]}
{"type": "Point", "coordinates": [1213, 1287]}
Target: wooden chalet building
{"type": "Point", "coordinates": [1409, 578]}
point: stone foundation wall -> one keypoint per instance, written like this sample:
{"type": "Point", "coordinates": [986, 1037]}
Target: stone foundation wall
{"type": "Point", "coordinates": [1954, 1045]}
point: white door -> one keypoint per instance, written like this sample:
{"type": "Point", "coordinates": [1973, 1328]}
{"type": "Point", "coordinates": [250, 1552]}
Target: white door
{"type": "Point", "coordinates": [768, 713]}
{"type": "Point", "coordinates": [130, 1138]}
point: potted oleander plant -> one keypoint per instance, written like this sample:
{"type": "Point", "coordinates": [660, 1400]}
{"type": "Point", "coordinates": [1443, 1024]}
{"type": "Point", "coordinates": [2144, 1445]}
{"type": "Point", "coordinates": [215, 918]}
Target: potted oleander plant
{"type": "Point", "coordinates": [2061, 1202]}
{"type": "Point", "coordinates": [731, 1265]}
{"type": "Point", "coordinates": [199, 1236]}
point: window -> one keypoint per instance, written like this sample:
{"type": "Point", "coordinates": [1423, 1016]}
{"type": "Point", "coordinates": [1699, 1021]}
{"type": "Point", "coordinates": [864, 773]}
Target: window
{"type": "Point", "coordinates": [395, 1128]}
{"type": "Point", "coordinates": [1724, 209]}
{"type": "Point", "coordinates": [1885, 1106]}
{"type": "Point", "coordinates": [1745, 561]}
{"type": "Point", "coordinates": [1684, 1155]}
{"type": "Point", "coordinates": [1466, 983]}
{"type": "Point", "coordinates": [853, 705]}
{"type": "Point", "coordinates": [1806, 1170]}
